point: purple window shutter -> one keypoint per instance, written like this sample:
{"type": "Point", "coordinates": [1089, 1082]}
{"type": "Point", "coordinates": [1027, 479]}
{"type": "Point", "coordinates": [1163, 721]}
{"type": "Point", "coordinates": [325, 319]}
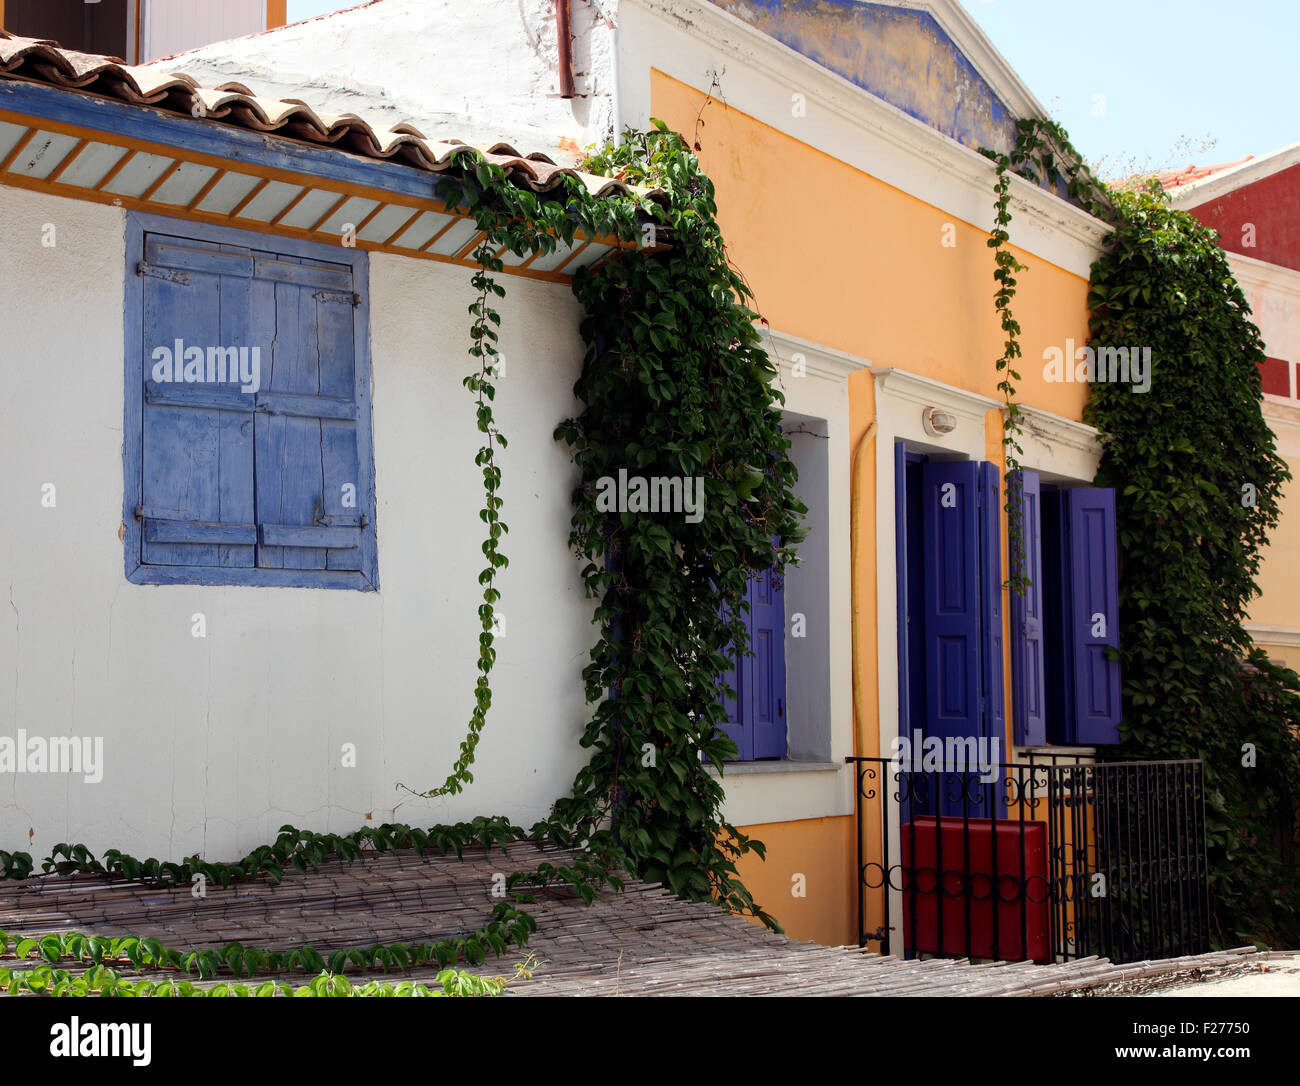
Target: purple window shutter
{"type": "Point", "coordinates": [767, 666]}
{"type": "Point", "coordinates": [738, 709]}
{"type": "Point", "coordinates": [1094, 614]}
{"type": "Point", "coordinates": [950, 497]}
{"type": "Point", "coordinates": [900, 547]}
{"type": "Point", "coordinates": [1028, 713]}
{"type": "Point", "coordinates": [991, 668]}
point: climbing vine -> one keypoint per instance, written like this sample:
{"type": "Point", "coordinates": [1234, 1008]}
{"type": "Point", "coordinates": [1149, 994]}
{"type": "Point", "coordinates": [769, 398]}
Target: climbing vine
{"type": "Point", "coordinates": [1041, 154]}
{"type": "Point", "coordinates": [674, 388]}
{"type": "Point", "coordinates": [1198, 487]}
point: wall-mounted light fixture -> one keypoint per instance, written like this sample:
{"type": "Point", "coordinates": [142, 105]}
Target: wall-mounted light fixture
{"type": "Point", "coordinates": [936, 423]}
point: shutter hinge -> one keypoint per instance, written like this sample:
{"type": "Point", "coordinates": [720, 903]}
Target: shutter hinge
{"type": "Point", "coordinates": [345, 297]}
{"type": "Point", "coordinates": [340, 520]}
{"type": "Point", "coordinates": [168, 275]}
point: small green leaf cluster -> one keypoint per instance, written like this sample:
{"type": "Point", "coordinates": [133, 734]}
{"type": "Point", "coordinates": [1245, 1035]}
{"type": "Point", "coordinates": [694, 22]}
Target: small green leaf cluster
{"type": "Point", "coordinates": [509, 925]}
{"type": "Point", "coordinates": [302, 850]}
{"type": "Point", "coordinates": [100, 980]}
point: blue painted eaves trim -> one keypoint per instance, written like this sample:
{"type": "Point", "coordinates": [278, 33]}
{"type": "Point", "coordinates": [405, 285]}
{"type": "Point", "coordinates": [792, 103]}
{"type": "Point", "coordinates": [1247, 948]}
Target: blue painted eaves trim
{"type": "Point", "coordinates": [211, 137]}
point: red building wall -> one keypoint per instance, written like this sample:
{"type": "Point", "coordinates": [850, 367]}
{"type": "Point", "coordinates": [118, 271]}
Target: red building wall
{"type": "Point", "coordinates": [1272, 205]}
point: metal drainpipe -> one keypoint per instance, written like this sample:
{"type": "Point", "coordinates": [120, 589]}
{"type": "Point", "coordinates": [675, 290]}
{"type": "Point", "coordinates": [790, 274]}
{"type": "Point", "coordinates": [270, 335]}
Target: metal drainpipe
{"type": "Point", "coordinates": [564, 33]}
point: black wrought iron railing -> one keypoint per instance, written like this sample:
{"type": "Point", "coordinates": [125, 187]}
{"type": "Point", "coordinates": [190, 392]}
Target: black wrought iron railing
{"type": "Point", "coordinates": [1054, 858]}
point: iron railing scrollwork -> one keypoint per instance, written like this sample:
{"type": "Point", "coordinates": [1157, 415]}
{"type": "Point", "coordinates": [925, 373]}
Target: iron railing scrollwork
{"type": "Point", "coordinates": [1050, 859]}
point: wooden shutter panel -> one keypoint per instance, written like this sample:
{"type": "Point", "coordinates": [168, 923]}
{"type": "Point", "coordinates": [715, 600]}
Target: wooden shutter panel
{"type": "Point", "coordinates": [952, 601]}
{"type": "Point", "coordinates": [739, 708]}
{"type": "Point", "coordinates": [1027, 663]}
{"type": "Point", "coordinates": [1093, 598]}
{"type": "Point", "coordinates": [990, 798]}
{"type": "Point", "coordinates": [991, 655]}
{"type": "Point", "coordinates": [767, 638]}
{"type": "Point", "coordinates": [306, 437]}
{"type": "Point", "coordinates": [197, 438]}
{"type": "Point", "coordinates": [900, 548]}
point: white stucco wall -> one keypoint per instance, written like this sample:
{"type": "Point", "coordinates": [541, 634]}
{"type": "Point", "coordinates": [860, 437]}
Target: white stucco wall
{"type": "Point", "coordinates": [211, 744]}
{"type": "Point", "coordinates": [173, 25]}
{"type": "Point", "coordinates": [481, 72]}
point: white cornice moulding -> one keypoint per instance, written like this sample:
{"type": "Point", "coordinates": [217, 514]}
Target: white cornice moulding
{"type": "Point", "coordinates": [1286, 636]}
{"type": "Point", "coordinates": [926, 392]}
{"type": "Point", "coordinates": [1261, 275]}
{"type": "Point", "coordinates": [1225, 181]}
{"type": "Point", "coordinates": [1058, 446]}
{"type": "Point", "coordinates": [926, 164]}
{"type": "Point", "coordinates": [1281, 411]}
{"type": "Point", "coordinates": [824, 362]}
{"type": "Point", "coordinates": [1058, 430]}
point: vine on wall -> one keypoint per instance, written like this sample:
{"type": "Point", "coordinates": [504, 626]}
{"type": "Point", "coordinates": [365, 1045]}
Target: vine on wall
{"type": "Point", "coordinates": [674, 386]}
{"type": "Point", "coordinates": [1198, 487]}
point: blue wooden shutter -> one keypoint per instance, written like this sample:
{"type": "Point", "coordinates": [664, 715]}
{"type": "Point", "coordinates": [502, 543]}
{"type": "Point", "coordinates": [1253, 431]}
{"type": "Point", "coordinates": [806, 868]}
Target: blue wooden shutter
{"type": "Point", "coordinates": [196, 481]}
{"type": "Point", "coordinates": [306, 426]}
{"type": "Point", "coordinates": [1027, 656]}
{"type": "Point", "coordinates": [952, 598]}
{"type": "Point", "coordinates": [767, 639]}
{"type": "Point", "coordinates": [991, 657]}
{"type": "Point", "coordinates": [1093, 592]}
{"type": "Point", "coordinates": [900, 550]}
{"type": "Point", "coordinates": [739, 708]}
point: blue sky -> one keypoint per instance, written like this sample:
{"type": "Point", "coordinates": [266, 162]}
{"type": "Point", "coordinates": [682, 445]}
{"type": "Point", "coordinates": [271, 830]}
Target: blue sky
{"type": "Point", "coordinates": [1180, 80]}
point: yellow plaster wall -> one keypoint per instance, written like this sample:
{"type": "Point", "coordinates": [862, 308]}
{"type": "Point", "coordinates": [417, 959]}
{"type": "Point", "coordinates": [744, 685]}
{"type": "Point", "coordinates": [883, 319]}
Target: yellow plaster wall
{"type": "Point", "coordinates": [839, 257]}
{"type": "Point", "coordinates": [1279, 574]}
{"type": "Point", "coordinates": [843, 259]}
{"type": "Point", "coordinates": [823, 851]}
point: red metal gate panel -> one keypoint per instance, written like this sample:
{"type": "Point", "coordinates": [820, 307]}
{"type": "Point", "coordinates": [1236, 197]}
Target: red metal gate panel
{"type": "Point", "coordinates": [968, 877]}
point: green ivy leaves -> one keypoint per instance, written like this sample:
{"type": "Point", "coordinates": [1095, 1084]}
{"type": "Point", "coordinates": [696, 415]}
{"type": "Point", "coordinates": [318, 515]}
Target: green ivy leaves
{"type": "Point", "coordinates": [1190, 549]}
{"type": "Point", "coordinates": [102, 981]}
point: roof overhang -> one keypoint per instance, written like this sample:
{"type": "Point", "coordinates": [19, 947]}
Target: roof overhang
{"type": "Point", "coordinates": [1235, 177]}
{"type": "Point", "coordinates": [82, 146]}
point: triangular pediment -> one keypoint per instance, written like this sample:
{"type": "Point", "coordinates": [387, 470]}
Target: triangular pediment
{"type": "Point", "coordinates": [925, 58]}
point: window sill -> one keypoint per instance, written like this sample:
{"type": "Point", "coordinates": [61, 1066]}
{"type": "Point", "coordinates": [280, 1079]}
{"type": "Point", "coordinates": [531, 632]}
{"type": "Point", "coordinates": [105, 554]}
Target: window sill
{"type": "Point", "coordinates": [734, 769]}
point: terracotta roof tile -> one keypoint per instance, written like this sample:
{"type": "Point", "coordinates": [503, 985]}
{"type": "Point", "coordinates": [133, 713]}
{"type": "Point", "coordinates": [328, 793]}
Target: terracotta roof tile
{"type": "Point", "coordinates": [46, 62]}
{"type": "Point", "coordinates": [1173, 179]}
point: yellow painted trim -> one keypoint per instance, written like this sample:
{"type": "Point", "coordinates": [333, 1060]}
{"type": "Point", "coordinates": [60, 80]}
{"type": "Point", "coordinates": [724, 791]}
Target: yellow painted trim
{"type": "Point", "coordinates": [471, 245]}
{"type": "Point", "coordinates": [208, 186]}
{"type": "Point", "coordinates": [438, 234]}
{"type": "Point", "coordinates": [855, 532]}
{"type": "Point", "coordinates": [280, 215]}
{"type": "Point", "coordinates": [329, 214]}
{"type": "Point", "coordinates": [306, 182]}
{"type": "Point", "coordinates": [68, 159]}
{"type": "Point", "coordinates": [17, 149]}
{"type": "Point", "coordinates": [160, 180]}
{"type": "Point", "coordinates": [403, 228]}
{"type": "Point", "coordinates": [176, 211]}
{"type": "Point", "coordinates": [366, 221]}
{"type": "Point", "coordinates": [113, 171]}
{"type": "Point", "coordinates": [253, 194]}
{"type": "Point", "coordinates": [203, 159]}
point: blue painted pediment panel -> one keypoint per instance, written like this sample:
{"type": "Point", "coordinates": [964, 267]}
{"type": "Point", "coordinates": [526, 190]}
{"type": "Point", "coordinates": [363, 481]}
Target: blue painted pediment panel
{"type": "Point", "coordinates": [898, 54]}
